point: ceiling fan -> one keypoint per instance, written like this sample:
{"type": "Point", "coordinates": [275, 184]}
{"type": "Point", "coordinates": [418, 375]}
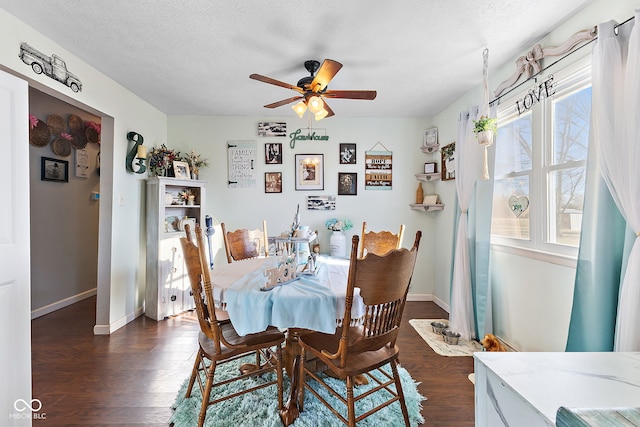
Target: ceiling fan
{"type": "Point", "coordinates": [313, 88]}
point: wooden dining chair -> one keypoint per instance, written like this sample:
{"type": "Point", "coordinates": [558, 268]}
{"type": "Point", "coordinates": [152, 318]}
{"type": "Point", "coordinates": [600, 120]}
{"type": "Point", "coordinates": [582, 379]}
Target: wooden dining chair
{"type": "Point", "coordinates": [219, 342]}
{"type": "Point", "coordinates": [360, 349]}
{"type": "Point", "coordinates": [380, 242]}
{"type": "Point", "coordinates": [244, 243]}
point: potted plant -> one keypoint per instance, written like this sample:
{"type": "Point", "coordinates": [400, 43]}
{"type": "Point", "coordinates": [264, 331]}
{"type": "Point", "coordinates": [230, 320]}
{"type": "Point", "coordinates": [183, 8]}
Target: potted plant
{"type": "Point", "coordinates": [484, 128]}
{"type": "Point", "coordinates": [195, 162]}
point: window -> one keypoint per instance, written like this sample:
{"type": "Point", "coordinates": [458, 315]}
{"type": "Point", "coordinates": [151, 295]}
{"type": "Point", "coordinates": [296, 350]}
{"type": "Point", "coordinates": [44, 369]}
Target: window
{"type": "Point", "coordinates": [540, 168]}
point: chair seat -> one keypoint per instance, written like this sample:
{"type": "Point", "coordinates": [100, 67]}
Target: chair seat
{"type": "Point", "coordinates": [270, 337]}
{"type": "Point", "coordinates": [357, 363]}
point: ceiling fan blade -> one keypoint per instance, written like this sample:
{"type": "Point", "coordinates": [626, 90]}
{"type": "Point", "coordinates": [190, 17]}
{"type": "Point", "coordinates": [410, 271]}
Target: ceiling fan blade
{"type": "Point", "coordinates": [351, 94]}
{"type": "Point", "coordinates": [274, 82]}
{"type": "Point", "coordinates": [328, 109]}
{"type": "Point", "coordinates": [284, 102]}
{"type": "Point", "coordinates": [327, 71]}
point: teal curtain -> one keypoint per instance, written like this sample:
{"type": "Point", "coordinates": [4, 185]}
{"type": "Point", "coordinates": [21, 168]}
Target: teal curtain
{"type": "Point", "coordinates": [601, 258]}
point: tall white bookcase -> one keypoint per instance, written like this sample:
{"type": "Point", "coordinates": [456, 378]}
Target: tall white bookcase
{"type": "Point", "coordinates": [168, 291]}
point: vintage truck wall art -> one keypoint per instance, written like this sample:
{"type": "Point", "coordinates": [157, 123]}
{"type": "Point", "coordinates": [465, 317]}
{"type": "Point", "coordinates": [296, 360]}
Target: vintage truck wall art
{"type": "Point", "coordinates": [52, 66]}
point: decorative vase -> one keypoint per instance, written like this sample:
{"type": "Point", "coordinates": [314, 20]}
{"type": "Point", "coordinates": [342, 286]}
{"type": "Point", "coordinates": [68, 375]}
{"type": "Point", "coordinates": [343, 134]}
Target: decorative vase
{"type": "Point", "coordinates": [419, 194]}
{"type": "Point", "coordinates": [338, 243]}
{"type": "Point", "coordinates": [191, 200]}
{"type": "Point", "coordinates": [485, 137]}
{"type": "Point", "coordinates": [194, 176]}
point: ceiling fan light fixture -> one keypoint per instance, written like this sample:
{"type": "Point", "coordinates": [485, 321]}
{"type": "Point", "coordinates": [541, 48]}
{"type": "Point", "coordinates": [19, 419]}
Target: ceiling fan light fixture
{"type": "Point", "coordinates": [315, 104]}
{"type": "Point", "coordinates": [321, 114]}
{"type": "Point", "coordinates": [300, 108]}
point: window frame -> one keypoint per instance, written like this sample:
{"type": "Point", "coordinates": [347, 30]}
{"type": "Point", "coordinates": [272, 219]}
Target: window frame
{"type": "Point", "coordinates": [567, 81]}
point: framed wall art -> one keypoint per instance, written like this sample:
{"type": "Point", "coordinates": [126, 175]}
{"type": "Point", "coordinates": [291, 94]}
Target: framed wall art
{"type": "Point", "coordinates": [448, 164]}
{"type": "Point", "coordinates": [181, 170]}
{"type": "Point", "coordinates": [378, 169]}
{"type": "Point", "coordinates": [272, 129]}
{"type": "Point", "coordinates": [273, 153]}
{"type": "Point", "coordinates": [273, 182]}
{"type": "Point", "coordinates": [321, 203]}
{"type": "Point", "coordinates": [347, 154]}
{"type": "Point", "coordinates": [431, 167]}
{"type": "Point", "coordinates": [309, 172]}
{"type": "Point", "coordinates": [54, 170]}
{"type": "Point", "coordinates": [430, 137]}
{"type": "Point", "coordinates": [241, 164]}
{"type": "Point", "coordinates": [347, 184]}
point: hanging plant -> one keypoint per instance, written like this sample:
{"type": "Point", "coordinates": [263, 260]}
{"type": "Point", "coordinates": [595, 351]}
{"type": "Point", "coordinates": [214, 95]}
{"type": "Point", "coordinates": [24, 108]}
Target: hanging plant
{"type": "Point", "coordinates": [484, 124]}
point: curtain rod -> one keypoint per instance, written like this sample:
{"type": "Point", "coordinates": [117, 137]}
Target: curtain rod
{"type": "Point", "coordinates": [554, 63]}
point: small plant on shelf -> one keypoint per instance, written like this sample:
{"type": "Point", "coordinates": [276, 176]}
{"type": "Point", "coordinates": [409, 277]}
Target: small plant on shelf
{"type": "Point", "coordinates": [195, 162]}
{"type": "Point", "coordinates": [161, 160]}
{"type": "Point", "coordinates": [186, 195]}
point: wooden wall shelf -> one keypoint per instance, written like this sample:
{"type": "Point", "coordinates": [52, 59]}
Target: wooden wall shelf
{"type": "Point", "coordinates": [426, 177]}
{"type": "Point", "coordinates": [427, 208]}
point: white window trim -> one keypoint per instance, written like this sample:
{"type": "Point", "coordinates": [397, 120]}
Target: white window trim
{"type": "Point", "coordinates": [536, 248]}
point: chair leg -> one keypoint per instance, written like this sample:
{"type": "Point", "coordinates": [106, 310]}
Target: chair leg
{"type": "Point", "coordinates": [403, 404]}
{"type": "Point", "coordinates": [301, 380]}
{"type": "Point", "coordinates": [194, 373]}
{"type": "Point", "coordinates": [351, 408]}
{"type": "Point", "coordinates": [279, 375]}
{"type": "Point", "coordinates": [210, 371]}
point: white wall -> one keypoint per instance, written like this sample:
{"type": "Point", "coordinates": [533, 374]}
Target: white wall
{"type": "Point", "coordinates": [121, 269]}
{"type": "Point", "coordinates": [530, 311]}
{"type": "Point", "coordinates": [246, 207]}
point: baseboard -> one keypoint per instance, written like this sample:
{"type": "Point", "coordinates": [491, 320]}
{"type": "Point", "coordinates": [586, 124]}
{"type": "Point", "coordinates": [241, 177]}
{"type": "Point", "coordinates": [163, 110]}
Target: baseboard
{"type": "Point", "coordinates": [419, 297]}
{"type": "Point", "coordinates": [109, 329]}
{"type": "Point", "coordinates": [440, 303]}
{"type": "Point", "coordinates": [39, 312]}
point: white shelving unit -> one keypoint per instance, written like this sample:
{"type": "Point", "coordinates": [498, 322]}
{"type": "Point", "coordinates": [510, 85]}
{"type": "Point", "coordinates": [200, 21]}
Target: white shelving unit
{"type": "Point", "coordinates": [168, 289]}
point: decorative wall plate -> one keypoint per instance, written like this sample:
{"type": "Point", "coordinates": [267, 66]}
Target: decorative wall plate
{"type": "Point", "coordinates": [61, 147]}
{"type": "Point", "coordinates": [56, 124]}
{"type": "Point", "coordinates": [518, 204]}
{"type": "Point", "coordinates": [78, 139]}
{"type": "Point", "coordinates": [92, 135]}
{"type": "Point", "coordinates": [75, 122]}
{"type": "Point", "coordinates": [40, 134]}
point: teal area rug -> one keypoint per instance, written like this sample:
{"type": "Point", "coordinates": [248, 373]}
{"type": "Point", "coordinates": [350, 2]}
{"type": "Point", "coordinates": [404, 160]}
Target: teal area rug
{"type": "Point", "coordinates": [259, 409]}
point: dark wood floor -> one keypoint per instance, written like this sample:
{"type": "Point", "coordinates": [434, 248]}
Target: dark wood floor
{"type": "Point", "coordinates": [132, 376]}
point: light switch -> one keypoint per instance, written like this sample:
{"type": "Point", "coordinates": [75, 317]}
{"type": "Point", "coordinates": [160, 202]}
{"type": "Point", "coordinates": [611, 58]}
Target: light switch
{"type": "Point", "coordinates": [95, 195]}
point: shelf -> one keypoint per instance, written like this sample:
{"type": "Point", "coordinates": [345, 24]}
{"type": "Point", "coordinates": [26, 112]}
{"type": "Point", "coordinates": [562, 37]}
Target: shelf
{"type": "Point", "coordinates": [430, 148]}
{"type": "Point", "coordinates": [426, 177]}
{"type": "Point", "coordinates": [427, 208]}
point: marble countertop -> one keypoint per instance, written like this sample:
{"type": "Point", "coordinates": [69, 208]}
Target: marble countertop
{"type": "Point", "coordinates": [574, 380]}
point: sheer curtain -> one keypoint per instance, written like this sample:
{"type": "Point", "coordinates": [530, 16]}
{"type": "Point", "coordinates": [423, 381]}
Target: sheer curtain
{"type": "Point", "coordinates": [616, 131]}
{"type": "Point", "coordinates": [468, 162]}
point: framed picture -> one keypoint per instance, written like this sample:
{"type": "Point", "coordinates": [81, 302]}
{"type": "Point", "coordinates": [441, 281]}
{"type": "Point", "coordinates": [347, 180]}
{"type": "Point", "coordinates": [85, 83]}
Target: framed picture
{"type": "Point", "coordinates": [448, 164]}
{"type": "Point", "coordinates": [273, 153]}
{"type": "Point", "coordinates": [431, 137]}
{"type": "Point", "coordinates": [309, 172]}
{"type": "Point", "coordinates": [321, 203]}
{"type": "Point", "coordinates": [431, 167]}
{"type": "Point", "coordinates": [347, 154]}
{"type": "Point", "coordinates": [273, 182]}
{"type": "Point", "coordinates": [181, 170]}
{"type": "Point", "coordinates": [347, 184]}
{"type": "Point", "coordinates": [278, 129]}
{"type": "Point", "coordinates": [54, 170]}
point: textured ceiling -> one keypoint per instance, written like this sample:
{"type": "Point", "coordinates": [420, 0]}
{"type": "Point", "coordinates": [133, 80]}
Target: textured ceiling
{"type": "Point", "coordinates": [194, 57]}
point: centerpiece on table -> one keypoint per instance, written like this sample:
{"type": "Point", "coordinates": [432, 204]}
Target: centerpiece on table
{"type": "Point", "coordinates": [338, 240]}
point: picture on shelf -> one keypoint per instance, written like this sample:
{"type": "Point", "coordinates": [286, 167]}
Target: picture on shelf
{"type": "Point", "coordinates": [431, 137]}
{"type": "Point", "coordinates": [181, 170]}
{"type": "Point", "coordinates": [431, 167]}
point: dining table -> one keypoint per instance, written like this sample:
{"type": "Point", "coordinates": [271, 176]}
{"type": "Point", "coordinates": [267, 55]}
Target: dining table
{"type": "Point", "coordinates": [312, 301]}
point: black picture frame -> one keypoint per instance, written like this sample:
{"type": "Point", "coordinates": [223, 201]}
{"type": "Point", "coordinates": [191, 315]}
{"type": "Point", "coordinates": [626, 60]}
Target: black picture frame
{"type": "Point", "coordinates": [347, 184]}
{"type": "Point", "coordinates": [273, 182]}
{"type": "Point", "coordinates": [273, 153]}
{"type": "Point", "coordinates": [54, 169]}
{"type": "Point", "coordinates": [347, 154]}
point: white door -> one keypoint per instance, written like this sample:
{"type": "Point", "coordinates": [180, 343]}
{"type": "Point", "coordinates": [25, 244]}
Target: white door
{"type": "Point", "coordinates": [15, 278]}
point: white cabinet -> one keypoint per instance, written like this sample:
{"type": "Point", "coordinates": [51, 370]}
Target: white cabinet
{"type": "Point", "coordinates": [168, 290]}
